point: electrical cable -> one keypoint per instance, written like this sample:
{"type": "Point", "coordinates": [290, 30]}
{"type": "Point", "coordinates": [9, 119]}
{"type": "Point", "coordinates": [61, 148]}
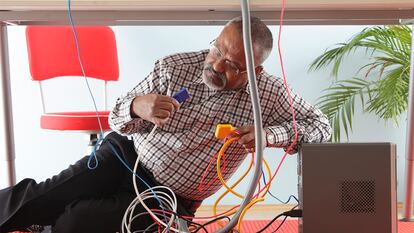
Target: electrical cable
{"type": "Point", "coordinates": [252, 201]}
{"type": "Point", "coordinates": [158, 212]}
{"type": "Point", "coordinates": [225, 145]}
{"type": "Point", "coordinates": [200, 187]}
{"type": "Point", "coordinates": [93, 155]}
{"type": "Point", "coordinates": [244, 211]}
{"type": "Point", "coordinates": [182, 217]}
{"type": "Point", "coordinates": [230, 189]}
{"type": "Point", "coordinates": [100, 138]}
{"type": "Point", "coordinates": [256, 106]}
{"type": "Point", "coordinates": [155, 224]}
{"type": "Point", "coordinates": [180, 96]}
{"type": "Point", "coordinates": [282, 67]}
{"type": "Point", "coordinates": [278, 199]}
{"type": "Point", "coordinates": [144, 195]}
{"type": "Point", "coordinates": [289, 98]}
{"type": "Point", "coordinates": [290, 213]}
{"type": "Point", "coordinates": [270, 223]}
{"type": "Point", "coordinates": [256, 113]}
{"type": "Point", "coordinates": [219, 199]}
{"type": "Point", "coordinates": [219, 175]}
{"type": "Point", "coordinates": [245, 19]}
{"type": "Point", "coordinates": [281, 224]}
{"type": "Point", "coordinates": [212, 221]}
{"type": "Point", "coordinates": [231, 210]}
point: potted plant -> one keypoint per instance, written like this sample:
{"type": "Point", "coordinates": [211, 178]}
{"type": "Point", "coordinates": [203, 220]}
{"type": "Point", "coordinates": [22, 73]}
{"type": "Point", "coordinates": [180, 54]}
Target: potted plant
{"type": "Point", "coordinates": [381, 84]}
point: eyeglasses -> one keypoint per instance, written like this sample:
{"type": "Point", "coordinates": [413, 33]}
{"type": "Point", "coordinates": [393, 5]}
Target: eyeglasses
{"type": "Point", "coordinates": [219, 55]}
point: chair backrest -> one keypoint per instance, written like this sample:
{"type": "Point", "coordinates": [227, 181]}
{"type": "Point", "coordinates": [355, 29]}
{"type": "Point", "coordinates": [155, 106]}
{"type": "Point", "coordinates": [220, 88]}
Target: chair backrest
{"type": "Point", "coordinates": [52, 52]}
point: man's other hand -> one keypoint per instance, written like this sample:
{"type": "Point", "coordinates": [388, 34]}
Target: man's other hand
{"type": "Point", "coordinates": [247, 137]}
{"type": "Point", "coordinates": [154, 108]}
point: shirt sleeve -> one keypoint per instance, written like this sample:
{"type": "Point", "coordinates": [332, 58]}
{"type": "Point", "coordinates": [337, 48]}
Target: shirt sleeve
{"type": "Point", "coordinates": [312, 125]}
{"type": "Point", "coordinates": [120, 119]}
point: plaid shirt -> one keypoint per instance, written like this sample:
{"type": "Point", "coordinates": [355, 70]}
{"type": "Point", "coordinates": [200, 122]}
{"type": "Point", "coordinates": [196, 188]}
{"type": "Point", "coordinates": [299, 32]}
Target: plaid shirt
{"type": "Point", "coordinates": [180, 151]}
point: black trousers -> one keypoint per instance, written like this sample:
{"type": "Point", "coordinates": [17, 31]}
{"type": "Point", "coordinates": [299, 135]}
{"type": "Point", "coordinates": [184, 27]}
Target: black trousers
{"type": "Point", "coordinates": [79, 199]}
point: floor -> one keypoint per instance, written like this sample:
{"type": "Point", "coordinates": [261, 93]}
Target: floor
{"type": "Point", "coordinates": [291, 226]}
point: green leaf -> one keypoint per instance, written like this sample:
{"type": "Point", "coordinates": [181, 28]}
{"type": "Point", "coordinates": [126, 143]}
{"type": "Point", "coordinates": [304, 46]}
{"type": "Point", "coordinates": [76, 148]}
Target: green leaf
{"type": "Point", "coordinates": [391, 97]}
{"type": "Point", "coordinates": [384, 91]}
{"type": "Point", "coordinates": [339, 101]}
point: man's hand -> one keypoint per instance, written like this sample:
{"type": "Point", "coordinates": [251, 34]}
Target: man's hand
{"type": "Point", "coordinates": [247, 137]}
{"type": "Point", "coordinates": [154, 108]}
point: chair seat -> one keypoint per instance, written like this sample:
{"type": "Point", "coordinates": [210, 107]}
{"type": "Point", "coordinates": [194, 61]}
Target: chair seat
{"type": "Point", "coordinates": [80, 121]}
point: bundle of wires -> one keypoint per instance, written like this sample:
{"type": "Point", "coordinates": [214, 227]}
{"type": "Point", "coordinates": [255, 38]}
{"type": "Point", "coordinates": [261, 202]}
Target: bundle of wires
{"type": "Point", "coordinates": [230, 189]}
{"type": "Point", "coordinates": [258, 197]}
{"type": "Point", "coordinates": [166, 200]}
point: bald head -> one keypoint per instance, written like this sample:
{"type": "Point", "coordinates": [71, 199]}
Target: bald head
{"type": "Point", "coordinates": [262, 39]}
{"type": "Point", "coordinates": [225, 64]}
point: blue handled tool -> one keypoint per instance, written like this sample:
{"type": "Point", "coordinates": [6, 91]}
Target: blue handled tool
{"type": "Point", "coordinates": [181, 95]}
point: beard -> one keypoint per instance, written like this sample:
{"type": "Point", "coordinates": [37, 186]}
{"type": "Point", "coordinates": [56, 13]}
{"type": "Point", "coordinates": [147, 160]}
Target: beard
{"type": "Point", "coordinates": [213, 79]}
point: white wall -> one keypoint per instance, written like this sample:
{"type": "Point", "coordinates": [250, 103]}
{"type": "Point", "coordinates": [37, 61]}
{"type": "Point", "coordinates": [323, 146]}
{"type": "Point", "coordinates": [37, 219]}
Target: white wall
{"type": "Point", "coordinates": [41, 154]}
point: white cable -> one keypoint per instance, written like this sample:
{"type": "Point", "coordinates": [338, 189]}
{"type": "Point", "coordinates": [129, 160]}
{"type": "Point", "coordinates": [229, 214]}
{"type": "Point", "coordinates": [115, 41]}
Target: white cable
{"type": "Point", "coordinates": [168, 202]}
{"type": "Point", "coordinates": [136, 202]}
{"type": "Point", "coordinates": [145, 196]}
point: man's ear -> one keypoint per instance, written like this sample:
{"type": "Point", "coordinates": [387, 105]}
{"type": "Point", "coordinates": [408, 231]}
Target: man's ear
{"type": "Point", "coordinates": [258, 70]}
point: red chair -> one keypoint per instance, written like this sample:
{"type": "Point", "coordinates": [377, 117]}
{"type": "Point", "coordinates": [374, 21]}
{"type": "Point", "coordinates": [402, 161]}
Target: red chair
{"type": "Point", "coordinates": [52, 53]}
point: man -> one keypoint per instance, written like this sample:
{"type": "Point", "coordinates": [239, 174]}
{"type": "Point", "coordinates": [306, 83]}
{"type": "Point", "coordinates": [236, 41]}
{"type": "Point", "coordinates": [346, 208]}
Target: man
{"type": "Point", "coordinates": [176, 155]}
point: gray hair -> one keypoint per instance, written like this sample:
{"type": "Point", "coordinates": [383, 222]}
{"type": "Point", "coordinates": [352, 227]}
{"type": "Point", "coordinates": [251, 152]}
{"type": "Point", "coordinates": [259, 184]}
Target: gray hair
{"type": "Point", "coordinates": [261, 35]}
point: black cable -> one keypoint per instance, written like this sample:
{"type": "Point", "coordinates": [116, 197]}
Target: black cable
{"type": "Point", "coordinates": [270, 223]}
{"type": "Point", "coordinates": [200, 226]}
{"type": "Point", "coordinates": [212, 221]}
{"type": "Point", "coordinates": [196, 224]}
{"type": "Point", "coordinates": [296, 213]}
{"type": "Point", "coordinates": [281, 224]}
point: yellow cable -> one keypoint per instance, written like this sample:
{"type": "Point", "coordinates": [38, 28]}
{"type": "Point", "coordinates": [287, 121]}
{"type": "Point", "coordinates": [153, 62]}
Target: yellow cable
{"type": "Point", "coordinates": [244, 211]}
{"type": "Point", "coordinates": [234, 185]}
{"type": "Point", "coordinates": [221, 153]}
{"type": "Point", "coordinates": [230, 189]}
{"type": "Point", "coordinates": [255, 200]}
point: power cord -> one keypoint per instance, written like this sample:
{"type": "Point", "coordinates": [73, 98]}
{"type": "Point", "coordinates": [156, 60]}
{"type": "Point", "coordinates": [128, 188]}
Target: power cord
{"type": "Point", "coordinates": [294, 213]}
{"type": "Point", "coordinates": [211, 222]}
{"type": "Point", "coordinates": [271, 194]}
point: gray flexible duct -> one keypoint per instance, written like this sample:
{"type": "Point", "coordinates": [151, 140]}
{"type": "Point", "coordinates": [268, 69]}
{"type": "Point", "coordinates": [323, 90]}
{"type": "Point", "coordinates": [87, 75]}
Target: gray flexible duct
{"type": "Point", "coordinates": [256, 113]}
